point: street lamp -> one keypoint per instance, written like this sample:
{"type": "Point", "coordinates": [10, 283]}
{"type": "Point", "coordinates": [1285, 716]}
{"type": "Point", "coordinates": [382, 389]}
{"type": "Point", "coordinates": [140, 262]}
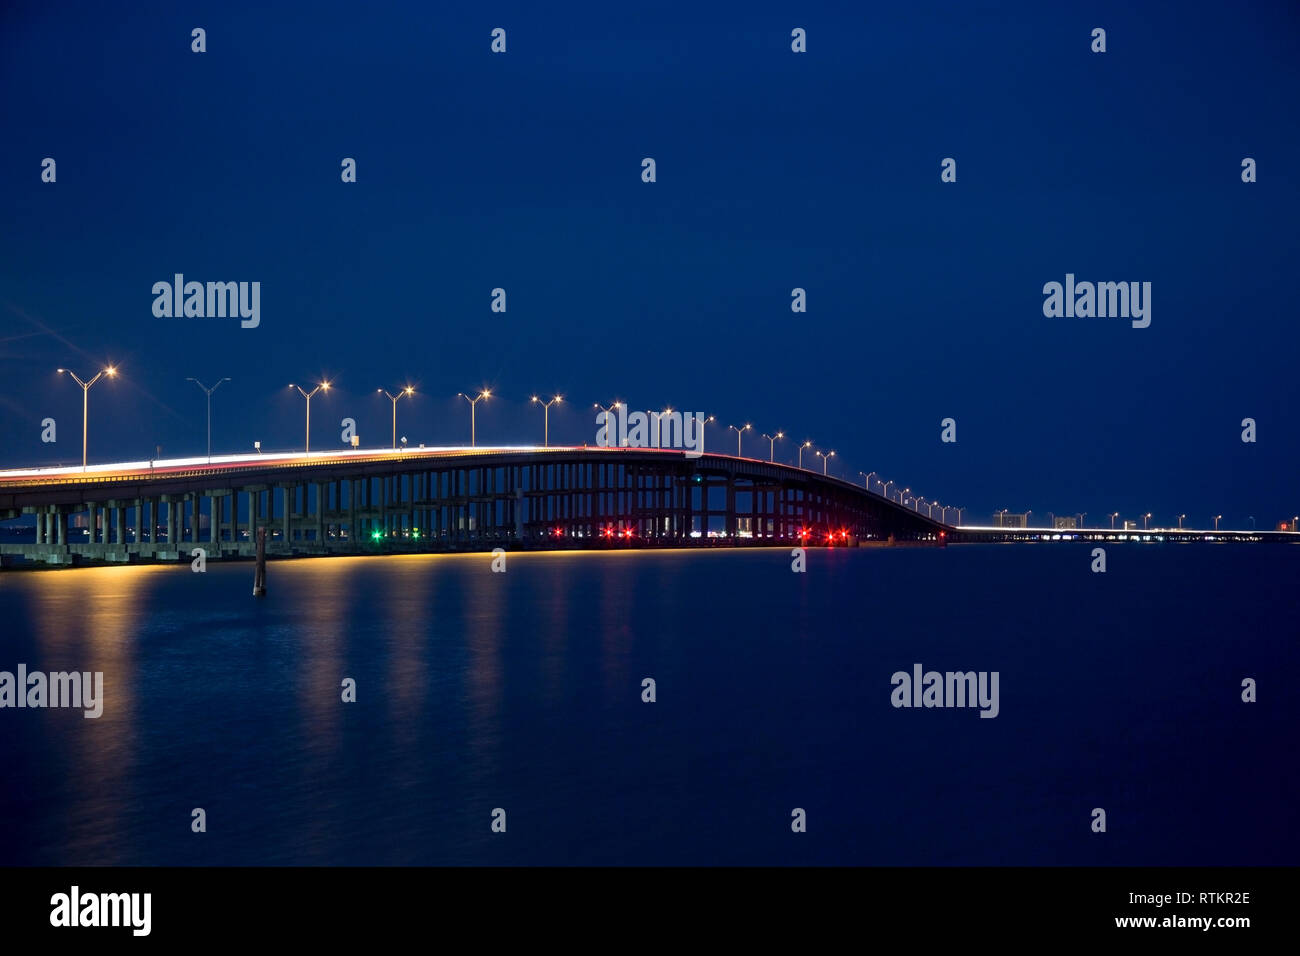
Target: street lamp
{"type": "Point", "coordinates": [325, 386]}
{"type": "Point", "coordinates": [1180, 522]}
{"type": "Point", "coordinates": [393, 398]}
{"type": "Point", "coordinates": [1146, 521]}
{"type": "Point", "coordinates": [807, 444]}
{"type": "Point", "coordinates": [1112, 520]}
{"type": "Point", "coordinates": [1216, 522]}
{"type": "Point", "coordinates": [866, 480]}
{"type": "Point", "coordinates": [473, 402]}
{"type": "Point", "coordinates": [739, 432]}
{"type": "Point", "coordinates": [885, 489]}
{"type": "Point", "coordinates": [771, 446]}
{"type": "Point", "coordinates": [546, 417]}
{"type": "Point", "coordinates": [209, 392]}
{"type": "Point", "coordinates": [85, 402]}
{"type": "Point", "coordinates": [825, 459]}
{"type": "Point", "coordinates": [1000, 514]}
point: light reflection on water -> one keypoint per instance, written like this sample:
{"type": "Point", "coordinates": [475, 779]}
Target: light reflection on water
{"type": "Point", "coordinates": [522, 690]}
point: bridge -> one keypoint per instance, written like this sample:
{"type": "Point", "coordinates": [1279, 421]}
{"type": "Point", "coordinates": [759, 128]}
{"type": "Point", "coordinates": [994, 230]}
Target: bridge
{"type": "Point", "coordinates": [470, 499]}
{"type": "Point", "coordinates": [441, 499]}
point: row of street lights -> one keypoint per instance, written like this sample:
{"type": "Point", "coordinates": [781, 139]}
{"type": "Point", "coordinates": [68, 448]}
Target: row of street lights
{"type": "Point", "coordinates": [324, 386]}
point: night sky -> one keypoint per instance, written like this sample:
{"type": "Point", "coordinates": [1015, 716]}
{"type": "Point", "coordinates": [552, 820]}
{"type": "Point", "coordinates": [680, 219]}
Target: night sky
{"type": "Point", "coordinates": [775, 170]}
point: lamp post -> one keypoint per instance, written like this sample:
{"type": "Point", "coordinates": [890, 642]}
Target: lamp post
{"type": "Point", "coordinates": [1216, 522]}
{"type": "Point", "coordinates": [825, 459]}
{"type": "Point", "coordinates": [209, 392]}
{"type": "Point", "coordinates": [771, 446]}
{"type": "Point", "coordinates": [85, 402]}
{"type": "Point", "coordinates": [1000, 514]}
{"type": "Point", "coordinates": [884, 487]}
{"type": "Point", "coordinates": [546, 417]}
{"type": "Point", "coordinates": [473, 403]}
{"type": "Point", "coordinates": [866, 480]}
{"type": "Point", "coordinates": [1180, 522]}
{"type": "Point", "coordinates": [1146, 521]}
{"type": "Point", "coordinates": [739, 432]}
{"type": "Point", "coordinates": [807, 444]}
{"type": "Point", "coordinates": [1112, 520]}
{"type": "Point", "coordinates": [323, 386]}
{"type": "Point", "coordinates": [393, 398]}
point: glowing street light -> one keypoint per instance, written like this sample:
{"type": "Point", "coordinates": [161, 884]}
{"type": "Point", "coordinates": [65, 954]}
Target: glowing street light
{"type": "Point", "coordinates": [209, 392]}
{"type": "Point", "coordinates": [85, 402]}
{"type": "Point", "coordinates": [1180, 522]}
{"type": "Point", "coordinates": [393, 398]}
{"type": "Point", "coordinates": [1112, 520]}
{"type": "Point", "coordinates": [866, 480]}
{"type": "Point", "coordinates": [1216, 522]}
{"type": "Point", "coordinates": [739, 432]}
{"type": "Point", "coordinates": [1146, 521]}
{"type": "Point", "coordinates": [825, 459]}
{"type": "Point", "coordinates": [323, 386]}
{"type": "Point", "coordinates": [807, 444]}
{"type": "Point", "coordinates": [546, 417]}
{"type": "Point", "coordinates": [771, 445]}
{"type": "Point", "coordinates": [473, 402]}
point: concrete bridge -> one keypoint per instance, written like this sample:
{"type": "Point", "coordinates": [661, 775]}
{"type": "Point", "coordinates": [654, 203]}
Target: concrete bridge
{"type": "Point", "coordinates": [441, 499]}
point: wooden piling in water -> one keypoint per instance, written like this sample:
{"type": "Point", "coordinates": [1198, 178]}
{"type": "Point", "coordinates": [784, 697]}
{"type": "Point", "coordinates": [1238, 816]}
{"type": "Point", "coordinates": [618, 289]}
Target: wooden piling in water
{"type": "Point", "coordinates": [259, 571]}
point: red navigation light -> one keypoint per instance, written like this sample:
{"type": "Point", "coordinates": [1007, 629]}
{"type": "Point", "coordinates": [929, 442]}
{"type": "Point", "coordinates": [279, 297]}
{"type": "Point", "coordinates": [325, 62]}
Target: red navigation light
{"type": "Point", "coordinates": [943, 534]}
{"type": "Point", "coordinates": [627, 532]}
{"type": "Point", "coordinates": [608, 532]}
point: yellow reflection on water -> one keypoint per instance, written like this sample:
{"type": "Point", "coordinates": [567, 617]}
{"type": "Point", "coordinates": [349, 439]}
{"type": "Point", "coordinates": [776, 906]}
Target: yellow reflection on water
{"type": "Point", "coordinates": [87, 619]}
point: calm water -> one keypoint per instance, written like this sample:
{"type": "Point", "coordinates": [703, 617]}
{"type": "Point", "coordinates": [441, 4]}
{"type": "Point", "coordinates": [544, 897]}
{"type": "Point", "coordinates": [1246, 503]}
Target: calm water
{"type": "Point", "coordinates": [523, 691]}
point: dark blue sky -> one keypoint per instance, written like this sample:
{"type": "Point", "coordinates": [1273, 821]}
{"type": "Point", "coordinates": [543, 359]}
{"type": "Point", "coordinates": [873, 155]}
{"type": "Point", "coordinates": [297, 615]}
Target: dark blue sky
{"type": "Point", "coordinates": [775, 170]}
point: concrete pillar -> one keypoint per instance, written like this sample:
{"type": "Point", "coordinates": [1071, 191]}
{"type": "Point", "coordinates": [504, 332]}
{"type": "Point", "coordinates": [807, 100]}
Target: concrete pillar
{"type": "Point", "coordinates": [288, 527]}
{"type": "Point", "coordinates": [119, 514]}
{"type": "Point", "coordinates": [214, 519]}
{"type": "Point", "coordinates": [172, 523]}
{"type": "Point", "coordinates": [354, 534]}
{"type": "Point", "coordinates": [320, 514]}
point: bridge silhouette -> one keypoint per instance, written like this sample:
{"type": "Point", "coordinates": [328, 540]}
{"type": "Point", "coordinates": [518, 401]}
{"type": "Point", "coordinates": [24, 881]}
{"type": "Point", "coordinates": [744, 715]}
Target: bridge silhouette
{"type": "Point", "coordinates": [472, 499]}
{"type": "Point", "coordinates": [442, 499]}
